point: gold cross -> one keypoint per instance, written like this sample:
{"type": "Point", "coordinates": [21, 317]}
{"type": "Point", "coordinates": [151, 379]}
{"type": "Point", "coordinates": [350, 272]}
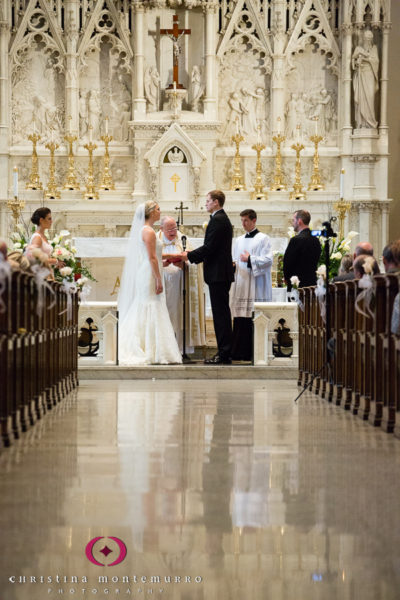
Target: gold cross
{"type": "Point", "coordinates": [175, 178]}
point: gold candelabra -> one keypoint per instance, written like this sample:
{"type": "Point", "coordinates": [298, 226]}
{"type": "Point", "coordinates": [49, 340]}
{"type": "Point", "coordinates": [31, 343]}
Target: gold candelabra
{"type": "Point", "coordinates": [278, 183]}
{"type": "Point", "coordinates": [342, 207]}
{"type": "Point", "coordinates": [34, 182]}
{"type": "Point", "coordinates": [52, 191]}
{"type": "Point", "coordinates": [315, 182]}
{"type": "Point", "coordinates": [106, 178]}
{"type": "Point", "coordinates": [297, 193]}
{"type": "Point", "coordinates": [91, 192]}
{"type": "Point", "coordinates": [237, 182]}
{"type": "Point", "coordinates": [259, 192]}
{"type": "Point", "coordinates": [16, 206]}
{"type": "Point", "coordinates": [71, 182]}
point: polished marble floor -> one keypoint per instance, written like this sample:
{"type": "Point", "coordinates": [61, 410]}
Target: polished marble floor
{"type": "Point", "coordinates": [218, 490]}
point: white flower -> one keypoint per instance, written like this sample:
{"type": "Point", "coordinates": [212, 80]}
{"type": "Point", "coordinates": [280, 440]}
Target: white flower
{"type": "Point", "coordinates": [65, 271]}
{"type": "Point", "coordinates": [15, 237]}
{"type": "Point", "coordinates": [337, 256]}
{"type": "Point", "coordinates": [345, 248]}
{"type": "Point", "coordinates": [67, 243]}
{"type": "Point", "coordinates": [294, 280]}
{"type": "Point", "coordinates": [352, 234]}
{"type": "Point", "coordinates": [321, 271]}
{"type": "Point", "coordinates": [64, 233]}
{"type": "Point", "coordinates": [369, 265]}
{"type": "Point", "coordinates": [73, 250]}
{"type": "Point", "coordinates": [205, 225]}
{"type": "Point", "coordinates": [56, 240]}
{"type": "Point", "coordinates": [81, 282]}
{"type": "Point", "coordinates": [291, 232]}
{"type": "Point", "coordinates": [17, 245]}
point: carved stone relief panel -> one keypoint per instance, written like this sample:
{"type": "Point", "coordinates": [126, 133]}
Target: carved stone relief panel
{"type": "Point", "coordinates": [37, 96]}
{"type": "Point", "coordinates": [314, 106]}
{"type": "Point", "coordinates": [105, 91]}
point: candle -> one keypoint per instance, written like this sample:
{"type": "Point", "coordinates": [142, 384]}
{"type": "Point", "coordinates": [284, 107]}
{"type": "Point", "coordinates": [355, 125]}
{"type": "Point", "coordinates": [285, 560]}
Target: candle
{"type": "Point", "coordinates": [237, 125]}
{"type": "Point", "coordinates": [258, 135]}
{"type": "Point", "coordinates": [52, 135]}
{"type": "Point", "coordinates": [341, 190]}
{"type": "Point", "coordinates": [90, 134]}
{"type": "Point", "coordinates": [34, 126]}
{"type": "Point", "coordinates": [279, 125]}
{"type": "Point", "coordinates": [316, 125]}
{"type": "Point", "coordinates": [298, 133]}
{"type": "Point", "coordinates": [106, 119]}
{"type": "Point", "coordinates": [174, 85]}
{"type": "Point", "coordinates": [70, 124]}
{"type": "Point", "coordinates": [15, 182]}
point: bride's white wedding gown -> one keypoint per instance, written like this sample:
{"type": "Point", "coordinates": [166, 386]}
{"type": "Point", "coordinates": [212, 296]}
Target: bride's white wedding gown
{"type": "Point", "coordinates": [146, 335]}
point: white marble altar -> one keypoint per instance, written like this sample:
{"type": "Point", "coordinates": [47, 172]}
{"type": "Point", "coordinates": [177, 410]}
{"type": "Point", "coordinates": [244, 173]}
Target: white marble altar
{"type": "Point", "coordinates": [244, 65]}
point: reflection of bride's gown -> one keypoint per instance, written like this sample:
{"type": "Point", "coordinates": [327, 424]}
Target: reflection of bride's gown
{"type": "Point", "coordinates": [146, 335]}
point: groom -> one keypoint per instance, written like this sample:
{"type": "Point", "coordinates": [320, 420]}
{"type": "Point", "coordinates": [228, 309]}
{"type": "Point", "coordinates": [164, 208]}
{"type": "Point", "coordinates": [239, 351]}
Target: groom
{"type": "Point", "coordinates": [218, 273]}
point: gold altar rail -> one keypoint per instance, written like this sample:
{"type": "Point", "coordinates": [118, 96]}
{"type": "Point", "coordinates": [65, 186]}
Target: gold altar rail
{"type": "Point", "coordinates": [38, 354]}
{"type": "Point", "coordinates": [365, 371]}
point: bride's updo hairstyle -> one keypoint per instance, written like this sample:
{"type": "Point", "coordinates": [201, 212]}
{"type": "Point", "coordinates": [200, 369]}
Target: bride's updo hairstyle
{"type": "Point", "coordinates": [148, 208]}
{"type": "Point", "coordinates": [40, 213]}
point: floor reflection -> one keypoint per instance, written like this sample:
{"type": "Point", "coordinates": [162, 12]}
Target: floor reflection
{"type": "Point", "coordinates": [230, 482]}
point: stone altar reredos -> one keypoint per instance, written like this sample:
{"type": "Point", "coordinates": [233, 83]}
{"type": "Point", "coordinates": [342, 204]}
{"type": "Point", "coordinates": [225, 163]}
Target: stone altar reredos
{"type": "Point", "coordinates": [245, 64]}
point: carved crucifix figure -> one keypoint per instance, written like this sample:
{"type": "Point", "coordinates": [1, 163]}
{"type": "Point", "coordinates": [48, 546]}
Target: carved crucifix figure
{"type": "Point", "coordinates": [175, 35]}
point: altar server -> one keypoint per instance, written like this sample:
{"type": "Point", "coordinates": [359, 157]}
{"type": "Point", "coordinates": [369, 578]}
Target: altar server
{"type": "Point", "coordinates": [253, 257]}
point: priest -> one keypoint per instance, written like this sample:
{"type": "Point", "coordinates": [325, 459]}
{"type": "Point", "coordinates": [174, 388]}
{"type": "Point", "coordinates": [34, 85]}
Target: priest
{"type": "Point", "coordinates": [252, 255]}
{"type": "Point", "coordinates": [171, 239]}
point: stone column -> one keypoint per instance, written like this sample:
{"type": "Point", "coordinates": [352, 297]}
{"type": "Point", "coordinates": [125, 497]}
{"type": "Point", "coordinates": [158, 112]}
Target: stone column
{"type": "Point", "coordinates": [364, 215]}
{"type": "Point", "coordinates": [4, 118]}
{"type": "Point", "coordinates": [383, 125]}
{"type": "Point", "coordinates": [139, 101]}
{"type": "Point", "coordinates": [210, 100]}
{"type": "Point", "coordinates": [71, 72]}
{"type": "Point", "coordinates": [278, 68]}
{"type": "Point", "coordinates": [346, 83]}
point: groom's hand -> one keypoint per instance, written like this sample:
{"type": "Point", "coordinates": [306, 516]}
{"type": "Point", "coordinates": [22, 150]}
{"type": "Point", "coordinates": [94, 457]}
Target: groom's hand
{"type": "Point", "coordinates": [184, 256]}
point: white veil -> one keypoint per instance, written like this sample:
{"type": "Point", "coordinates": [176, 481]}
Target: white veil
{"type": "Point", "coordinates": [134, 257]}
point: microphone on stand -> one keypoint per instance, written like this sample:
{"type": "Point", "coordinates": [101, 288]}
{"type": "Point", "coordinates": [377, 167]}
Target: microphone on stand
{"type": "Point", "coordinates": [184, 355]}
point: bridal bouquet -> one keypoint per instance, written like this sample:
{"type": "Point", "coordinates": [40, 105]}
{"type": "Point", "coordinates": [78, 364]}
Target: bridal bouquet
{"type": "Point", "coordinates": [337, 249]}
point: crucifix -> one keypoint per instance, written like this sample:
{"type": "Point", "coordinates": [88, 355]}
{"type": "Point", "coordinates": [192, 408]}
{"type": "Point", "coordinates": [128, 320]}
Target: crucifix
{"type": "Point", "coordinates": [175, 178]}
{"type": "Point", "coordinates": [175, 35]}
{"type": "Point", "coordinates": [180, 210]}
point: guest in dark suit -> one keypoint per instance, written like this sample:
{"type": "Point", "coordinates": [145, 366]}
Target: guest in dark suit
{"type": "Point", "coordinates": [216, 254]}
{"type": "Point", "coordinates": [303, 251]}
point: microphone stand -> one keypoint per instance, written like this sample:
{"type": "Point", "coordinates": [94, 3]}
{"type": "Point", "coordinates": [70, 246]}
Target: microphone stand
{"type": "Point", "coordinates": [185, 357]}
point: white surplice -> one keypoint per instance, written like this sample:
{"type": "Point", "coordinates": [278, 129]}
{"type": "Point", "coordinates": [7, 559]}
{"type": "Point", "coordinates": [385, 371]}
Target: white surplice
{"type": "Point", "coordinates": [173, 283]}
{"type": "Point", "coordinates": [255, 284]}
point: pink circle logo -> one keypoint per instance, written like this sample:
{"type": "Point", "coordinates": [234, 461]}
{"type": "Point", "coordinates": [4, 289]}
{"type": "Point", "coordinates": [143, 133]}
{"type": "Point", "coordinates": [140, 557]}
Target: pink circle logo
{"type": "Point", "coordinates": [117, 546]}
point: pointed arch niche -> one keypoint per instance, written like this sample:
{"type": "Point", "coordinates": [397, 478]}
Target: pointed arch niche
{"type": "Point", "coordinates": [175, 162]}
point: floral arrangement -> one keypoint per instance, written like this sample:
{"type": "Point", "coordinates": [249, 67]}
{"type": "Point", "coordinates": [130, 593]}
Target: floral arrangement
{"type": "Point", "coordinates": [338, 249]}
{"type": "Point", "coordinates": [68, 268]}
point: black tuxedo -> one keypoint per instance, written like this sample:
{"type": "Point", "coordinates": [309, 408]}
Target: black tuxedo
{"type": "Point", "coordinates": [216, 254]}
{"type": "Point", "coordinates": [301, 258]}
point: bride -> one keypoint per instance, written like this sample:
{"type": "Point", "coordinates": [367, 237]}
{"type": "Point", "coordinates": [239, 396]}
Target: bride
{"type": "Point", "coordinates": [146, 335]}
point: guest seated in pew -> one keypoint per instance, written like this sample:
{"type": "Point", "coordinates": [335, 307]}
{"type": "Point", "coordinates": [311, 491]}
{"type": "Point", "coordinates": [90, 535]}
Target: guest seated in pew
{"type": "Point", "coordinates": [362, 249]}
{"type": "Point", "coordinates": [345, 269]}
{"type": "Point", "coordinates": [358, 266]}
{"type": "Point", "coordinates": [3, 256]}
{"type": "Point", "coordinates": [391, 257]}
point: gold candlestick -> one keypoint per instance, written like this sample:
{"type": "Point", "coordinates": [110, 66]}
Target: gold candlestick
{"type": "Point", "coordinates": [52, 191]}
{"type": "Point", "coordinates": [341, 207]}
{"type": "Point", "coordinates": [91, 192]}
{"type": "Point", "coordinates": [297, 193]}
{"type": "Point", "coordinates": [71, 182]}
{"type": "Point", "coordinates": [34, 180]}
{"type": "Point", "coordinates": [315, 182]}
{"type": "Point", "coordinates": [237, 182]}
{"type": "Point", "coordinates": [106, 178]}
{"type": "Point", "coordinates": [279, 183]}
{"type": "Point", "coordinates": [259, 192]}
{"type": "Point", "coordinates": [16, 206]}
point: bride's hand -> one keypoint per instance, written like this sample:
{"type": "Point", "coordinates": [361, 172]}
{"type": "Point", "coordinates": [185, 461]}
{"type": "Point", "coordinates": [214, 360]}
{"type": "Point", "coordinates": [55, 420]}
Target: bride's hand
{"type": "Point", "coordinates": [159, 286]}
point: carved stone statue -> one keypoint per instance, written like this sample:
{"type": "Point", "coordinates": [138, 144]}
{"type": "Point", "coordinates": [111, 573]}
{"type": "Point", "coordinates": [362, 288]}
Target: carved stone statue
{"type": "Point", "coordinates": [249, 112]}
{"type": "Point", "coordinates": [291, 116]}
{"type": "Point", "coordinates": [83, 114]}
{"type": "Point", "coordinates": [152, 88]}
{"type": "Point", "coordinates": [197, 88]}
{"type": "Point", "coordinates": [94, 112]}
{"type": "Point", "coordinates": [365, 63]}
{"type": "Point", "coordinates": [322, 108]}
{"type": "Point", "coordinates": [235, 117]}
